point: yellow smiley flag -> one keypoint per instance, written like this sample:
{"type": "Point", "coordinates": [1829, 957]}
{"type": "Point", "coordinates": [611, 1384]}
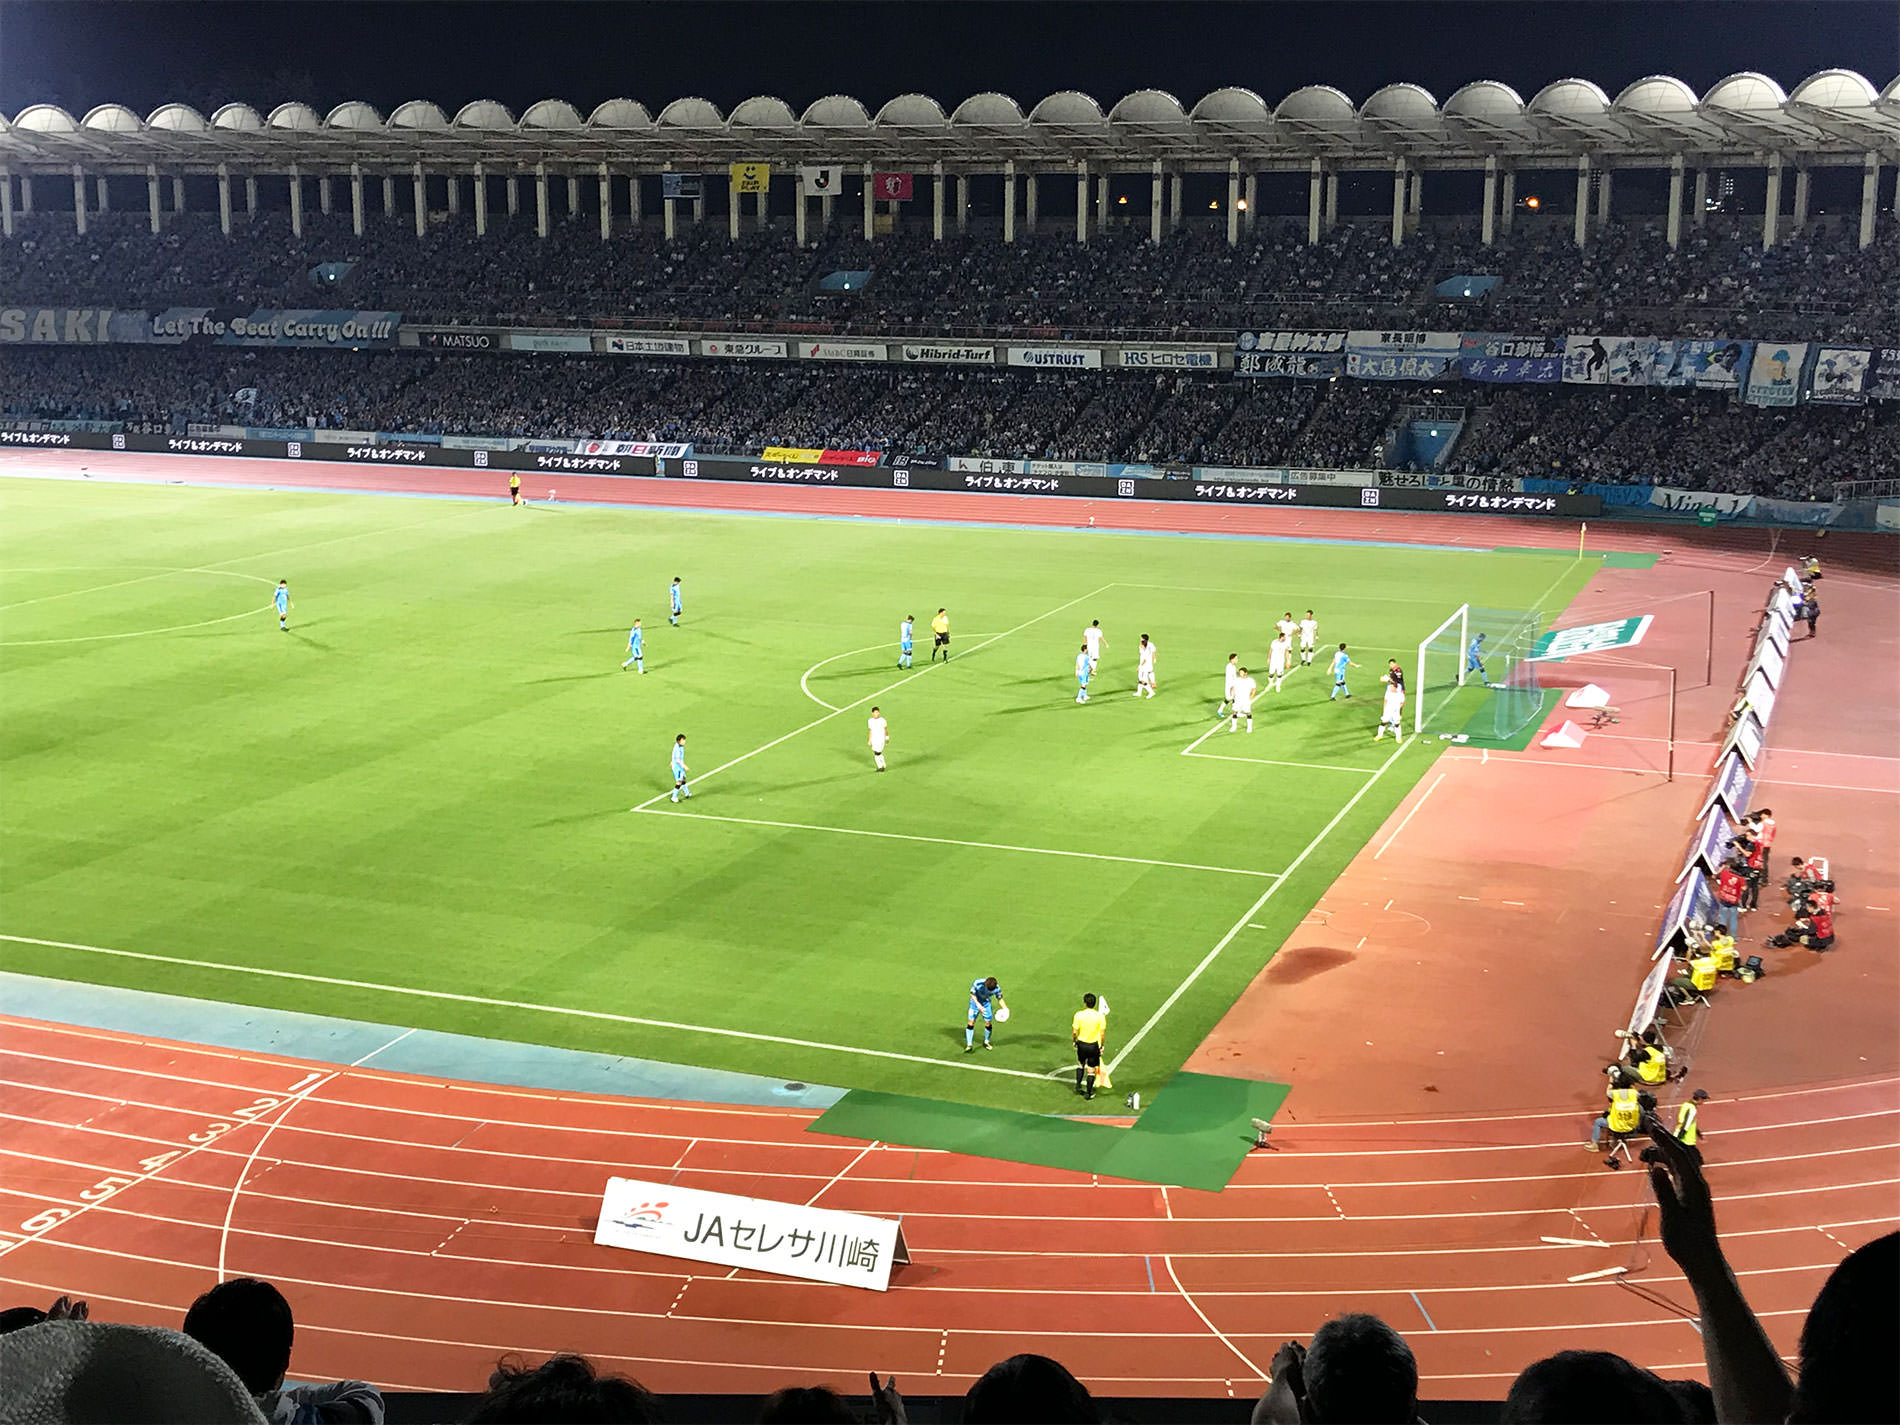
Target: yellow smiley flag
{"type": "Point", "coordinates": [751, 177]}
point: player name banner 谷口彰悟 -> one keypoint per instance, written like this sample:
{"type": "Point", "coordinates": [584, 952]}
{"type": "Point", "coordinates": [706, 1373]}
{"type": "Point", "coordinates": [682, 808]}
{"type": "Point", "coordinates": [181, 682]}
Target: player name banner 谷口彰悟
{"type": "Point", "coordinates": [1608, 360]}
{"type": "Point", "coordinates": [1502, 357]}
{"type": "Point", "coordinates": [1056, 358]}
{"type": "Point", "coordinates": [647, 345]}
{"type": "Point", "coordinates": [949, 353]}
{"type": "Point", "coordinates": [743, 347]}
{"type": "Point", "coordinates": [1840, 375]}
{"type": "Point", "coordinates": [1168, 358]}
{"type": "Point", "coordinates": [1560, 643]}
{"type": "Point", "coordinates": [843, 351]}
{"type": "Point", "coordinates": [1774, 373]}
{"type": "Point", "coordinates": [722, 1229]}
{"type": "Point", "coordinates": [1401, 355]}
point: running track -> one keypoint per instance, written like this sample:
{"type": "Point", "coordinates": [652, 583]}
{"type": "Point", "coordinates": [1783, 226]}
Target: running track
{"type": "Point", "coordinates": [423, 1228]}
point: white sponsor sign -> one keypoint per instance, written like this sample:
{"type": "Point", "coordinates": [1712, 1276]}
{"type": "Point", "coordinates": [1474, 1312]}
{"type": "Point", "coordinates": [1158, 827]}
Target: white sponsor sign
{"type": "Point", "coordinates": [1171, 358]}
{"type": "Point", "coordinates": [1057, 358]}
{"type": "Point", "coordinates": [548, 341]}
{"type": "Point", "coordinates": [631, 447]}
{"type": "Point", "coordinates": [742, 347]}
{"type": "Point", "coordinates": [786, 1239]}
{"type": "Point", "coordinates": [648, 346]}
{"type": "Point", "coordinates": [844, 351]}
{"type": "Point", "coordinates": [986, 465]}
{"type": "Point", "coordinates": [950, 353]}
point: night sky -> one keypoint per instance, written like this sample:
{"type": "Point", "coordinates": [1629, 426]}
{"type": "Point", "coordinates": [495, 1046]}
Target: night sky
{"type": "Point", "coordinates": [79, 54]}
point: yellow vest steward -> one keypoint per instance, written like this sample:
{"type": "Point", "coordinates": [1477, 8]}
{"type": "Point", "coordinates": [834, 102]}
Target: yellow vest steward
{"type": "Point", "coordinates": [1625, 1113]}
{"type": "Point", "coordinates": [1654, 1069]}
{"type": "Point", "coordinates": [1685, 1124]}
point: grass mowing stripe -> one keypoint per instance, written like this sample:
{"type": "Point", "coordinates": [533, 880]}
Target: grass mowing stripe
{"type": "Point", "coordinates": [507, 1004]}
{"type": "Point", "coordinates": [1251, 912]}
{"type": "Point", "coordinates": [979, 845]}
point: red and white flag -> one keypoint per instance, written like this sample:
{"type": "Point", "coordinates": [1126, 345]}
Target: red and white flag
{"type": "Point", "coordinates": [891, 187]}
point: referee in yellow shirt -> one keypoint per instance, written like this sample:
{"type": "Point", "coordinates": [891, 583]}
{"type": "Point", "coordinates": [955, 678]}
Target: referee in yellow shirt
{"type": "Point", "coordinates": [1088, 1029]}
{"type": "Point", "coordinates": [940, 626]}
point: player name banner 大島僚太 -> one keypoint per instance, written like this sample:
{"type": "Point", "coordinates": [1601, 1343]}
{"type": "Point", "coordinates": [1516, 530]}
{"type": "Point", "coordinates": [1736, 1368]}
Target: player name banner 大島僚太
{"type": "Point", "coordinates": [724, 1230]}
{"type": "Point", "coordinates": [949, 353]}
{"type": "Point", "coordinates": [1168, 358]}
{"type": "Point", "coordinates": [1503, 357]}
{"type": "Point", "coordinates": [1840, 375]}
{"type": "Point", "coordinates": [1401, 355]}
{"type": "Point", "coordinates": [1774, 373]}
{"type": "Point", "coordinates": [1058, 358]}
{"type": "Point", "coordinates": [1560, 643]}
{"type": "Point", "coordinates": [844, 351]}
{"type": "Point", "coordinates": [647, 345]}
{"type": "Point", "coordinates": [743, 347]}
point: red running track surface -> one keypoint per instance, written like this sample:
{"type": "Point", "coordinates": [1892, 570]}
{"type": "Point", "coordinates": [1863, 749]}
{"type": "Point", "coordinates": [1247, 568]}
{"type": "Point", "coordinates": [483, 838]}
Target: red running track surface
{"type": "Point", "coordinates": [422, 1228]}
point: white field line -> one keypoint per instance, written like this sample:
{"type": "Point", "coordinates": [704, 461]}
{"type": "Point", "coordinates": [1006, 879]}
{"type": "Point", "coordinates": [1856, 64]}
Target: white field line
{"type": "Point", "coordinates": [955, 841]}
{"type": "Point", "coordinates": [570, 1012]}
{"type": "Point", "coordinates": [1408, 818]}
{"type": "Point", "coordinates": [163, 572]}
{"type": "Point", "coordinates": [1247, 915]}
{"type": "Point", "coordinates": [823, 718]}
{"type": "Point", "coordinates": [804, 684]}
{"type": "Point", "coordinates": [134, 633]}
{"type": "Point", "coordinates": [1218, 1333]}
{"type": "Point", "coordinates": [1274, 762]}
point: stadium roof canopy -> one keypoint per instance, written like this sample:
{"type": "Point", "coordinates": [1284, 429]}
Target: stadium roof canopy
{"type": "Point", "coordinates": [1834, 117]}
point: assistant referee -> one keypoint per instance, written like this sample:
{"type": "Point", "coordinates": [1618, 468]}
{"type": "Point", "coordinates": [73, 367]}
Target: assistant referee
{"type": "Point", "coordinates": [1088, 1029]}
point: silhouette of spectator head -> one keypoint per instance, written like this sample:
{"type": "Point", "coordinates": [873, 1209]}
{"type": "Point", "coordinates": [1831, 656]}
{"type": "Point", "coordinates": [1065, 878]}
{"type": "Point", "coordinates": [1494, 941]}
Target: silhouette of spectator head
{"type": "Point", "coordinates": [1847, 1344]}
{"type": "Point", "coordinates": [563, 1390]}
{"type": "Point", "coordinates": [806, 1405]}
{"type": "Point", "coordinates": [1584, 1387]}
{"type": "Point", "coordinates": [246, 1324]}
{"type": "Point", "coordinates": [1029, 1388]}
{"type": "Point", "coordinates": [1359, 1369]}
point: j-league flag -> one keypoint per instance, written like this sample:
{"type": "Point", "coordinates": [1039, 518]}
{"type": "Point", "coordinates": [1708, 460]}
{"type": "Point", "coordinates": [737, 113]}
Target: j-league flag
{"type": "Point", "coordinates": [751, 177]}
{"type": "Point", "coordinates": [822, 181]}
{"type": "Point", "coordinates": [891, 187]}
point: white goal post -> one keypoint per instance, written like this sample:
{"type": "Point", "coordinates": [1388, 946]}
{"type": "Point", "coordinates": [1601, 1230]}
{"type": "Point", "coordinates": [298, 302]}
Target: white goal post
{"type": "Point", "coordinates": [1461, 616]}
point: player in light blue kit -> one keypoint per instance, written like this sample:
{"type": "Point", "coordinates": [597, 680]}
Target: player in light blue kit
{"type": "Point", "coordinates": [680, 789]}
{"type": "Point", "coordinates": [1082, 661]}
{"type": "Point", "coordinates": [636, 647]}
{"type": "Point", "coordinates": [282, 599]}
{"type": "Point", "coordinates": [1340, 664]}
{"type": "Point", "coordinates": [986, 1000]}
{"type": "Point", "coordinates": [904, 640]}
{"type": "Point", "coordinates": [1474, 658]}
{"type": "Point", "coordinates": [679, 603]}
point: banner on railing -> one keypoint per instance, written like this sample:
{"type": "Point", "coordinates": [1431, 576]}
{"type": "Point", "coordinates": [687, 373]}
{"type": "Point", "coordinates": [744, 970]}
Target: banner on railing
{"type": "Point", "coordinates": [623, 447]}
{"type": "Point", "coordinates": [1501, 357]}
{"type": "Point", "coordinates": [71, 326]}
{"type": "Point", "coordinates": [1401, 355]}
{"type": "Point", "coordinates": [1168, 358]}
{"type": "Point", "coordinates": [949, 353]}
{"type": "Point", "coordinates": [784, 1238]}
{"type": "Point", "coordinates": [1710, 364]}
{"type": "Point", "coordinates": [1840, 375]}
{"type": "Point", "coordinates": [459, 341]}
{"type": "Point", "coordinates": [1665, 497]}
{"type": "Point", "coordinates": [1774, 375]}
{"type": "Point", "coordinates": [741, 346]}
{"type": "Point", "coordinates": [792, 454]}
{"type": "Point", "coordinates": [647, 346]}
{"type": "Point", "coordinates": [844, 351]}
{"type": "Point", "coordinates": [1608, 360]}
{"type": "Point", "coordinates": [549, 341]}
{"type": "Point", "coordinates": [1057, 358]}
{"type": "Point", "coordinates": [1883, 376]}
{"type": "Point", "coordinates": [1304, 356]}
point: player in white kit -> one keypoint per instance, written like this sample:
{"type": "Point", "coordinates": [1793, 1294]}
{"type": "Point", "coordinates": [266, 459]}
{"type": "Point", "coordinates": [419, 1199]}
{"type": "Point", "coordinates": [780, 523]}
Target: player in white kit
{"type": "Point", "coordinates": [1145, 668]}
{"type": "Point", "coordinates": [1309, 634]}
{"type": "Point", "coordinates": [1392, 714]}
{"type": "Point", "coordinates": [1277, 654]}
{"type": "Point", "coordinates": [1286, 626]}
{"type": "Point", "coordinates": [1244, 689]}
{"type": "Point", "coordinates": [1229, 676]}
{"type": "Point", "coordinates": [880, 736]}
{"type": "Point", "coordinates": [1095, 641]}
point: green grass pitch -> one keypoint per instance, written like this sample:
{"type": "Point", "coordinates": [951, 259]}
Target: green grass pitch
{"type": "Point", "coordinates": [429, 784]}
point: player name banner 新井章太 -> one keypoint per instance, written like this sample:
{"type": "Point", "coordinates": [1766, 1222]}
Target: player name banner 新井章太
{"type": "Point", "coordinates": [1503, 357]}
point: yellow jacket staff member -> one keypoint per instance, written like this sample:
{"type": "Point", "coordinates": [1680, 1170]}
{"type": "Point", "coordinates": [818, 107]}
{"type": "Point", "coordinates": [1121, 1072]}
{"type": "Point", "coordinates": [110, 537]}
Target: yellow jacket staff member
{"type": "Point", "coordinates": [1088, 1029]}
{"type": "Point", "coordinates": [1722, 951]}
{"type": "Point", "coordinates": [1687, 1130]}
{"type": "Point", "coordinates": [514, 488]}
{"type": "Point", "coordinates": [940, 625]}
{"type": "Point", "coordinates": [1625, 1115]}
{"type": "Point", "coordinates": [1653, 1068]}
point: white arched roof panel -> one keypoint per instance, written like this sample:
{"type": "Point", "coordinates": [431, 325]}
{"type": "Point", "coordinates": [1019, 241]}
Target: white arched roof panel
{"type": "Point", "coordinates": [551, 114]}
{"type": "Point", "coordinates": [762, 111]}
{"type": "Point", "coordinates": [988, 110]}
{"type": "Point", "coordinates": [1407, 104]}
{"type": "Point", "coordinates": [112, 118]}
{"type": "Point", "coordinates": [294, 116]}
{"type": "Point", "coordinates": [417, 114]}
{"type": "Point", "coordinates": [620, 114]}
{"type": "Point", "coordinates": [841, 111]}
{"type": "Point", "coordinates": [1745, 93]}
{"type": "Point", "coordinates": [1657, 94]}
{"type": "Point", "coordinates": [240, 118]}
{"type": "Point", "coordinates": [1229, 106]}
{"type": "Point", "coordinates": [484, 114]}
{"type": "Point", "coordinates": [1149, 106]}
{"type": "Point", "coordinates": [177, 118]}
{"type": "Point", "coordinates": [1835, 89]}
{"type": "Point", "coordinates": [1484, 100]}
{"type": "Point", "coordinates": [355, 114]}
{"type": "Point", "coordinates": [1316, 104]}
{"type": "Point", "coordinates": [905, 111]}
{"type": "Point", "coordinates": [1068, 108]}
{"type": "Point", "coordinates": [690, 114]}
{"type": "Point", "coordinates": [1569, 99]}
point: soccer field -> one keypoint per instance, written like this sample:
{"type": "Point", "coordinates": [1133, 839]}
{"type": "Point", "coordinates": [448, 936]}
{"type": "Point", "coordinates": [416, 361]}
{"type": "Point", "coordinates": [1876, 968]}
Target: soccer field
{"type": "Point", "coordinates": [439, 801]}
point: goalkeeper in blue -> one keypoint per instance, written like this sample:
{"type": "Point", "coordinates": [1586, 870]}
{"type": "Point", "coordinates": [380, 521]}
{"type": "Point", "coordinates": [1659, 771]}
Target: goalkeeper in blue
{"type": "Point", "coordinates": [1474, 659]}
{"type": "Point", "coordinates": [986, 1003]}
{"type": "Point", "coordinates": [636, 648]}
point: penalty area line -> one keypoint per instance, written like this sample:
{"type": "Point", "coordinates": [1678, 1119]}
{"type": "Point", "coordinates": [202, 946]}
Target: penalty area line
{"type": "Point", "coordinates": [491, 1002]}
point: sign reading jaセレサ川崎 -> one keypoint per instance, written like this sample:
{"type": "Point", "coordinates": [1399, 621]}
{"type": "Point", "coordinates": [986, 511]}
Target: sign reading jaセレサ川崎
{"type": "Point", "coordinates": [1589, 638]}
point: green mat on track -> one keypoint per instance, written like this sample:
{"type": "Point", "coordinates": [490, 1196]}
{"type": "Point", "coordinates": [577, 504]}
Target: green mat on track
{"type": "Point", "coordinates": [1610, 558]}
{"type": "Point", "coordinates": [1194, 1134]}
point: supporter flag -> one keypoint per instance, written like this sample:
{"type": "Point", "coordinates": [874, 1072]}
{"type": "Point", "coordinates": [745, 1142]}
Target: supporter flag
{"type": "Point", "coordinates": [823, 181]}
{"type": "Point", "coordinates": [679, 185]}
{"type": "Point", "coordinates": [891, 187]}
{"type": "Point", "coordinates": [245, 395]}
{"type": "Point", "coordinates": [751, 177]}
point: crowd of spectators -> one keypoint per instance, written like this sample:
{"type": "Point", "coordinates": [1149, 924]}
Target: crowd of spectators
{"type": "Point", "coordinates": [1816, 283]}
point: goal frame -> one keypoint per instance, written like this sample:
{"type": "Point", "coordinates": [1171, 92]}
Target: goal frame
{"type": "Point", "coordinates": [1462, 617]}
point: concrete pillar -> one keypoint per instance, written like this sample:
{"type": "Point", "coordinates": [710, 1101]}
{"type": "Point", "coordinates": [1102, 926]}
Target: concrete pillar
{"type": "Point", "coordinates": [1672, 224]}
{"type": "Point", "coordinates": [1154, 207]}
{"type": "Point", "coordinates": [250, 195]}
{"type": "Point", "coordinates": [389, 196]}
{"type": "Point", "coordinates": [1800, 219]}
{"type": "Point", "coordinates": [1488, 224]}
{"type": "Point", "coordinates": [6, 202]}
{"type": "Point", "coordinates": [453, 182]}
{"type": "Point", "coordinates": [1177, 199]}
{"type": "Point", "coordinates": [151, 194]}
{"type": "Point", "coordinates": [1081, 200]}
{"type": "Point", "coordinates": [1771, 209]}
{"type": "Point", "coordinates": [1315, 188]}
{"type": "Point", "coordinates": [422, 201]}
{"type": "Point", "coordinates": [79, 200]}
{"type": "Point", "coordinates": [514, 195]}
{"type": "Point", "coordinates": [1332, 200]}
{"type": "Point", "coordinates": [323, 194]}
{"type": "Point", "coordinates": [799, 208]}
{"type": "Point", "coordinates": [1869, 198]}
{"type": "Point", "coordinates": [26, 195]}
{"type": "Point", "coordinates": [1414, 201]}
{"type": "Point", "coordinates": [1253, 199]}
{"type": "Point", "coordinates": [541, 199]}
{"type": "Point", "coordinates": [1009, 200]}
{"type": "Point", "coordinates": [765, 211]}
{"type": "Point", "coordinates": [1101, 202]}
{"type": "Point", "coordinates": [178, 194]}
{"type": "Point", "coordinates": [963, 203]}
{"type": "Point", "coordinates": [573, 194]}
{"type": "Point", "coordinates": [356, 198]}
{"type": "Point", "coordinates": [1603, 199]}
{"type": "Point", "coordinates": [669, 218]}
{"type": "Point", "coordinates": [224, 200]}
{"type": "Point", "coordinates": [936, 201]}
{"type": "Point", "coordinates": [1031, 193]}
{"type": "Point", "coordinates": [634, 214]}
{"type": "Point", "coordinates": [699, 205]}
{"type": "Point", "coordinates": [870, 205]}
{"type": "Point", "coordinates": [104, 192]}
{"type": "Point", "coordinates": [1699, 202]}
{"type": "Point", "coordinates": [296, 202]}
{"type": "Point", "coordinates": [1582, 225]}
{"type": "Point", "coordinates": [1398, 201]}
{"type": "Point", "coordinates": [606, 181]}
{"type": "Point", "coordinates": [481, 201]}
{"type": "Point", "coordinates": [733, 201]}
{"type": "Point", "coordinates": [1233, 202]}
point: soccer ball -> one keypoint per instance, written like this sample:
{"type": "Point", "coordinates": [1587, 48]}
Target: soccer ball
{"type": "Point", "coordinates": [550, 494]}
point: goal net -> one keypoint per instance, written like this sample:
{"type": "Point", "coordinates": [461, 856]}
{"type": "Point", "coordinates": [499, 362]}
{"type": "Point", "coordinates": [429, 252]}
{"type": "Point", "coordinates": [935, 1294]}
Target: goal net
{"type": "Point", "coordinates": [1475, 676]}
